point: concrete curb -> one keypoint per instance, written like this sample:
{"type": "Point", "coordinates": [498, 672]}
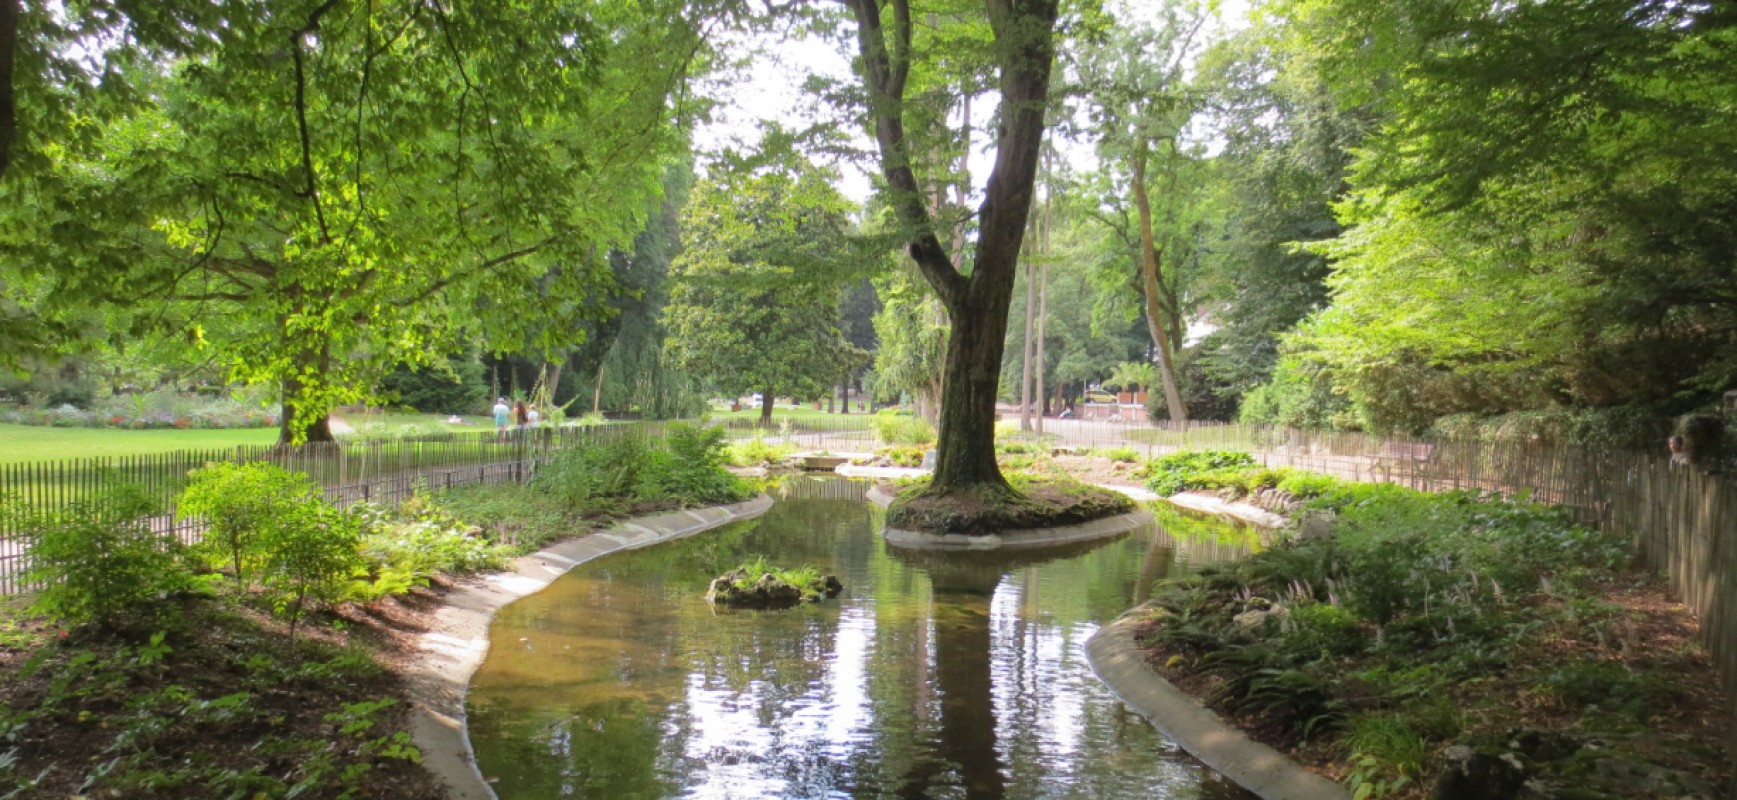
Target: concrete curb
{"type": "Point", "coordinates": [1212, 504]}
{"type": "Point", "coordinates": [454, 646]}
{"type": "Point", "coordinates": [1258, 768]}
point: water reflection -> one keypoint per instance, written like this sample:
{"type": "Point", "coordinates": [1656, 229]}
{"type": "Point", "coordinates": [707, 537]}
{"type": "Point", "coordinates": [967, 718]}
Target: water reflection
{"type": "Point", "coordinates": [932, 677]}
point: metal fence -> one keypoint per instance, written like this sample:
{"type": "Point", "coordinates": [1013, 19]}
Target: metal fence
{"type": "Point", "coordinates": [383, 471]}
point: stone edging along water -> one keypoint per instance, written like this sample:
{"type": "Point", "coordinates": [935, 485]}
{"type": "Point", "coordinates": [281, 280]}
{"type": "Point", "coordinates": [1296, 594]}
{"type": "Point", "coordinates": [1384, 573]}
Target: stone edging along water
{"type": "Point", "coordinates": [457, 640]}
{"type": "Point", "coordinates": [1121, 664]}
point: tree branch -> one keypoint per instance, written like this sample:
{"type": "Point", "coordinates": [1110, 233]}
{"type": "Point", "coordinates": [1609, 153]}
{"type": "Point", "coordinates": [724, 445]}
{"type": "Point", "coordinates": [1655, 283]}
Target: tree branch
{"type": "Point", "coordinates": [886, 86]}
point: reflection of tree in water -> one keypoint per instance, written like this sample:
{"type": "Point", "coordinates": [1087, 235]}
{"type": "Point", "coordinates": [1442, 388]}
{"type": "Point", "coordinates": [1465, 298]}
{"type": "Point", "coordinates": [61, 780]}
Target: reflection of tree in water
{"type": "Point", "coordinates": [964, 585]}
{"type": "Point", "coordinates": [924, 681]}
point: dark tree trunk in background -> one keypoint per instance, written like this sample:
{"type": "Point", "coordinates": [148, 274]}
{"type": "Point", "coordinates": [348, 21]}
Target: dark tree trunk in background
{"type": "Point", "coordinates": [318, 430]}
{"type": "Point", "coordinates": [9, 12]}
{"type": "Point", "coordinates": [766, 408]}
{"type": "Point", "coordinates": [977, 303]}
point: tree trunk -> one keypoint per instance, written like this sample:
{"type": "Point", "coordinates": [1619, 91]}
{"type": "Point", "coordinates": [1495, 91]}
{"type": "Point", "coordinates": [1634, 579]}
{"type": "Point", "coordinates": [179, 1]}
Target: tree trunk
{"type": "Point", "coordinates": [977, 302]}
{"type": "Point", "coordinates": [965, 453]}
{"type": "Point", "coordinates": [319, 429]}
{"type": "Point", "coordinates": [766, 408]}
{"type": "Point", "coordinates": [1152, 285]}
{"type": "Point", "coordinates": [597, 391]}
{"type": "Point", "coordinates": [1030, 347]}
{"type": "Point", "coordinates": [554, 384]}
{"type": "Point", "coordinates": [9, 12]}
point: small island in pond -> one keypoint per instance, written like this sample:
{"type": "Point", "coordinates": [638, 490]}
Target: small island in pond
{"type": "Point", "coordinates": [759, 585]}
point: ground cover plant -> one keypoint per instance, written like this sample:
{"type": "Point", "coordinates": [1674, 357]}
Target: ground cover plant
{"type": "Point", "coordinates": [1429, 621]}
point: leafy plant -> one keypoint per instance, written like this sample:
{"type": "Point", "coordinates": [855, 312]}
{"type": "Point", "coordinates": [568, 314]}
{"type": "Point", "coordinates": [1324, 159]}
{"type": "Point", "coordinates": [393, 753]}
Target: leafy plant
{"type": "Point", "coordinates": [902, 430]}
{"type": "Point", "coordinates": [99, 561]}
{"type": "Point", "coordinates": [1170, 474]}
{"type": "Point", "coordinates": [310, 554]}
{"type": "Point", "coordinates": [240, 504]}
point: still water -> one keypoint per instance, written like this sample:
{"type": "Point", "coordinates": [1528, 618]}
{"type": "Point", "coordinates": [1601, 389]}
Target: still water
{"type": "Point", "coordinates": [932, 676]}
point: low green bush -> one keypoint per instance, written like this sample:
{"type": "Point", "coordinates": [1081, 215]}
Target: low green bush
{"type": "Point", "coordinates": [759, 452]}
{"type": "Point", "coordinates": [902, 430]}
{"type": "Point", "coordinates": [1125, 455]}
{"type": "Point", "coordinates": [615, 476]}
{"type": "Point", "coordinates": [405, 546]}
{"type": "Point", "coordinates": [904, 456]}
{"type": "Point", "coordinates": [98, 560]}
{"type": "Point", "coordinates": [1169, 474]}
{"type": "Point", "coordinates": [239, 503]}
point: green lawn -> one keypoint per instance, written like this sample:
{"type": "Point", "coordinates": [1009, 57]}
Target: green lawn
{"type": "Point", "coordinates": [21, 444]}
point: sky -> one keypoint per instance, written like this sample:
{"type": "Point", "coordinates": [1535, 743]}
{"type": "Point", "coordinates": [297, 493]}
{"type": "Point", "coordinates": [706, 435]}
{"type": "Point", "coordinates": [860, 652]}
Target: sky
{"type": "Point", "coordinates": [769, 89]}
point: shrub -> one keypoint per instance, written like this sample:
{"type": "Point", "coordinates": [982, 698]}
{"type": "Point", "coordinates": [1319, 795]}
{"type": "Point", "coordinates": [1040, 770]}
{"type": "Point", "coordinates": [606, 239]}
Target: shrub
{"type": "Point", "coordinates": [896, 429]}
{"type": "Point", "coordinates": [1125, 455]}
{"type": "Point", "coordinates": [99, 561]}
{"type": "Point", "coordinates": [1305, 485]}
{"type": "Point", "coordinates": [311, 553]}
{"type": "Point", "coordinates": [239, 503]}
{"type": "Point", "coordinates": [1168, 475]}
{"type": "Point", "coordinates": [406, 546]}
{"type": "Point", "coordinates": [904, 456]}
{"type": "Point", "coordinates": [757, 451]}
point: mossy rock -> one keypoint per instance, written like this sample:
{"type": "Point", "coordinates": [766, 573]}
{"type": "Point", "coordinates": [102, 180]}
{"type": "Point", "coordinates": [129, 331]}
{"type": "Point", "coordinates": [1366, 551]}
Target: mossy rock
{"type": "Point", "coordinates": [739, 589]}
{"type": "Point", "coordinates": [1036, 502]}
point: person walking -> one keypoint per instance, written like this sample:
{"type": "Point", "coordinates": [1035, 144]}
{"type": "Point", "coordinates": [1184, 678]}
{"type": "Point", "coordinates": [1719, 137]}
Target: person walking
{"type": "Point", "coordinates": [501, 413]}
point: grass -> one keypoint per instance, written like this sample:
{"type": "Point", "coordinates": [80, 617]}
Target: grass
{"type": "Point", "coordinates": [24, 444]}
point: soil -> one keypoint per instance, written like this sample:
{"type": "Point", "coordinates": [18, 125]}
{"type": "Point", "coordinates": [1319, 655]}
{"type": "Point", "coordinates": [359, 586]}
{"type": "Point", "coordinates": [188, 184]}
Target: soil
{"type": "Point", "coordinates": [74, 733]}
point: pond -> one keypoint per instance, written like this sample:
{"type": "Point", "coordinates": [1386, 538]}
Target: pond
{"type": "Point", "coordinates": [933, 675]}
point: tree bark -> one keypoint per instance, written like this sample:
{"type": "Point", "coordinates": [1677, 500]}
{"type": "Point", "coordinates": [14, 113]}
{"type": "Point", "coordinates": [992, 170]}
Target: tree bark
{"type": "Point", "coordinates": [1030, 325]}
{"type": "Point", "coordinates": [977, 303]}
{"type": "Point", "coordinates": [597, 391]}
{"type": "Point", "coordinates": [318, 430]}
{"type": "Point", "coordinates": [1152, 285]}
{"type": "Point", "coordinates": [9, 13]}
{"type": "Point", "coordinates": [766, 408]}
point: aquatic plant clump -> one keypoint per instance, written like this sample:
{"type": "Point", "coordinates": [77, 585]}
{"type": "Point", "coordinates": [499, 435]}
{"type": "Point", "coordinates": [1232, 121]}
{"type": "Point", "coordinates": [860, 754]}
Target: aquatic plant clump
{"type": "Point", "coordinates": [759, 585]}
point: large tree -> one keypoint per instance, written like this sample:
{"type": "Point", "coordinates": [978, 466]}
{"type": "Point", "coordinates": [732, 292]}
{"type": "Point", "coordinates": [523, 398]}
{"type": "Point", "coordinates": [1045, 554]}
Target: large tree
{"type": "Point", "coordinates": [977, 299]}
{"type": "Point", "coordinates": [757, 286]}
{"type": "Point", "coordinates": [326, 189]}
{"type": "Point", "coordinates": [1545, 217]}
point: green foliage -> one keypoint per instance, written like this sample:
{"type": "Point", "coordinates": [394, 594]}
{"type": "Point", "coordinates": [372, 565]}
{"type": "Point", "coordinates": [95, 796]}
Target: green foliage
{"type": "Point", "coordinates": [895, 429]}
{"type": "Point", "coordinates": [1422, 591]}
{"type": "Point", "coordinates": [1308, 485]}
{"type": "Point", "coordinates": [241, 504]}
{"type": "Point", "coordinates": [1039, 501]}
{"type": "Point", "coordinates": [754, 305]}
{"type": "Point", "coordinates": [1170, 474]}
{"type": "Point", "coordinates": [1124, 455]}
{"type": "Point", "coordinates": [615, 476]}
{"type": "Point", "coordinates": [905, 455]}
{"type": "Point", "coordinates": [311, 553]}
{"type": "Point", "coordinates": [518, 517]}
{"type": "Point", "coordinates": [99, 561]}
{"type": "Point", "coordinates": [455, 385]}
{"type": "Point", "coordinates": [806, 577]}
{"type": "Point", "coordinates": [1605, 685]}
{"type": "Point", "coordinates": [757, 452]}
{"type": "Point", "coordinates": [1297, 397]}
{"type": "Point", "coordinates": [405, 546]}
